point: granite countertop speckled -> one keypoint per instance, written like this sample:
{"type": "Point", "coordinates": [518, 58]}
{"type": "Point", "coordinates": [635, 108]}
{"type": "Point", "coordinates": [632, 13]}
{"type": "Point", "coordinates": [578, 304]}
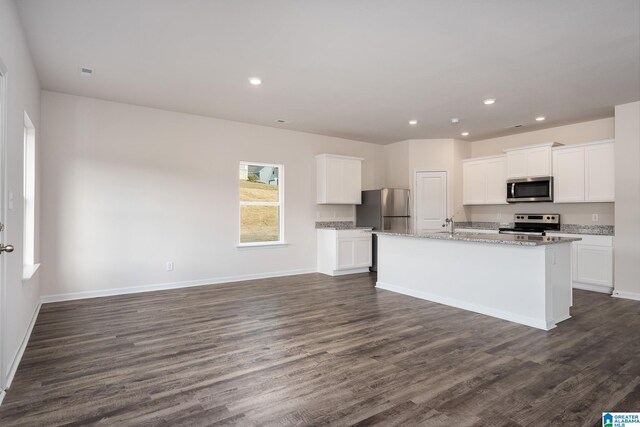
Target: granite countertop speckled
{"type": "Point", "coordinates": [339, 225]}
{"type": "Point", "coordinates": [595, 230]}
{"type": "Point", "coordinates": [503, 239]}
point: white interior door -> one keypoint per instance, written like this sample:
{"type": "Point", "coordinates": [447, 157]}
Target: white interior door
{"type": "Point", "coordinates": [431, 200]}
{"type": "Point", "coordinates": [3, 192]}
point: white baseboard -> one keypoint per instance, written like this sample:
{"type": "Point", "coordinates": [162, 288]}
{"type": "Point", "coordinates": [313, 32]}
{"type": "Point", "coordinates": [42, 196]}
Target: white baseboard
{"type": "Point", "coordinates": [512, 317]}
{"type": "Point", "coordinates": [594, 288]}
{"type": "Point", "coordinates": [165, 286]}
{"type": "Point", "coordinates": [626, 295]}
{"type": "Point", "coordinates": [345, 272]}
{"type": "Point", "coordinates": [2, 395]}
{"type": "Point", "coordinates": [23, 345]}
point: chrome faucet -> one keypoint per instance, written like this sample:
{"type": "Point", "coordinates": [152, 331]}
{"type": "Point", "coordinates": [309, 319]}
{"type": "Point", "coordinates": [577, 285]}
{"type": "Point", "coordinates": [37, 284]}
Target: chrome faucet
{"type": "Point", "coordinates": [451, 224]}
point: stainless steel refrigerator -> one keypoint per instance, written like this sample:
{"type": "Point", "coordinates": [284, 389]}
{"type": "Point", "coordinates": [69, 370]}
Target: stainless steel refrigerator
{"type": "Point", "coordinates": [386, 209]}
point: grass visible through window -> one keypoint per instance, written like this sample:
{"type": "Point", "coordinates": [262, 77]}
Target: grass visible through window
{"type": "Point", "coordinates": [260, 206]}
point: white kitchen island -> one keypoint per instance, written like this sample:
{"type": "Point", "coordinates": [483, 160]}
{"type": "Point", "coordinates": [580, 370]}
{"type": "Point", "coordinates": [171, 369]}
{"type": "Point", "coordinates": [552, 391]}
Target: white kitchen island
{"type": "Point", "coordinates": [523, 279]}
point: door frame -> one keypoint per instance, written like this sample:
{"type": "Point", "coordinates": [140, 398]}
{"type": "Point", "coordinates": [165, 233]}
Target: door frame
{"type": "Point", "coordinates": [414, 183]}
{"type": "Point", "coordinates": [4, 124]}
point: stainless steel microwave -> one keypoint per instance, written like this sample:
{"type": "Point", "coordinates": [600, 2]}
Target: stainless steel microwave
{"type": "Point", "coordinates": [530, 190]}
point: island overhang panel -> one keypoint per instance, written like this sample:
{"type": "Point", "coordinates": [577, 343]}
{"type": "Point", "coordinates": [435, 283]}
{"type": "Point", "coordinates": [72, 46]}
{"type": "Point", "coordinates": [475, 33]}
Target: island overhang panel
{"type": "Point", "coordinates": [526, 284]}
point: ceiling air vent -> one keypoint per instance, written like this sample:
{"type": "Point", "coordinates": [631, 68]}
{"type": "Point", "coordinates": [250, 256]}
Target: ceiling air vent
{"type": "Point", "coordinates": [86, 72]}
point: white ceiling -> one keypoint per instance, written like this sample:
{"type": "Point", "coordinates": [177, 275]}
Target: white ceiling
{"type": "Point", "coordinates": [357, 69]}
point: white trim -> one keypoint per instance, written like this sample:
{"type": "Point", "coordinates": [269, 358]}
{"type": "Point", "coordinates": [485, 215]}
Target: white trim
{"type": "Point", "coordinates": [45, 299]}
{"type": "Point", "coordinates": [626, 295]}
{"type": "Point", "coordinates": [349, 271]}
{"type": "Point", "coordinates": [2, 395]}
{"type": "Point", "coordinates": [4, 125]}
{"type": "Point", "coordinates": [527, 147]}
{"type": "Point", "coordinates": [279, 204]}
{"type": "Point", "coordinates": [339, 156]}
{"type": "Point", "coordinates": [593, 288]}
{"type": "Point", "coordinates": [243, 203]}
{"type": "Point", "coordinates": [584, 144]}
{"type": "Point", "coordinates": [262, 245]}
{"type": "Point", "coordinates": [23, 346]}
{"type": "Point", "coordinates": [28, 271]}
{"type": "Point", "coordinates": [473, 159]}
{"type": "Point", "coordinates": [512, 317]}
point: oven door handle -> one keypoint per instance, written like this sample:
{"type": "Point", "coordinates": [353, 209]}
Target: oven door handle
{"type": "Point", "coordinates": [526, 233]}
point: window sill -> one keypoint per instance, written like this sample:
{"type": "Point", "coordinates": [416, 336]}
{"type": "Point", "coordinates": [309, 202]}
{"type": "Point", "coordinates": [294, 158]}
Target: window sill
{"type": "Point", "coordinates": [28, 271]}
{"type": "Point", "coordinates": [266, 245]}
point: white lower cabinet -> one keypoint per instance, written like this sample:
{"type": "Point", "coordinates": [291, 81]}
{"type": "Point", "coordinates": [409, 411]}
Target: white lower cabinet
{"type": "Point", "coordinates": [592, 259]}
{"type": "Point", "coordinates": [344, 251]}
{"type": "Point", "coordinates": [594, 265]}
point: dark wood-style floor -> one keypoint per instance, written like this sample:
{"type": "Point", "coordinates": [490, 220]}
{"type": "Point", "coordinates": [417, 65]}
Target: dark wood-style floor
{"type": "Point", "coordinates": [315, 350]}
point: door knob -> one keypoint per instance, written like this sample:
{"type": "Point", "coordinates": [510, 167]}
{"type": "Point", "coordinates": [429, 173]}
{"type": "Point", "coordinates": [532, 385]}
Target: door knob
{"type": "Point", "coordinates": [7, 248]}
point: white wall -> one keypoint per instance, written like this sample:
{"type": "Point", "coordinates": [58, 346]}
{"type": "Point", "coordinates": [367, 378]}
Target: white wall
{"type": "Point", "coordinates": [594, 130]}
{"type": "Point", "coordinates": [571, 213]}
{"type": "Point", "coordinates": [128, 188]}
{"type": "Point", "coordinates": [441, 155]}
{"type": "Point", "coordinates": [404, 158]}
{"type": "Point", "coordinates": [397, 174]}
{"type": "Point", "coordinates": [627, 239]}
{"type": "Point", "coordinates": [23, 94]}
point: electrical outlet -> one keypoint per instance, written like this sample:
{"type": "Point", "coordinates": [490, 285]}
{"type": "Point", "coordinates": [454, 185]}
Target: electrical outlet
{"type": "Point", "coordinates": [169, 265]}
{"type": "Point", "coordinates": [594, 217]}
{"type": "Point", "coordinates": [499, 217]}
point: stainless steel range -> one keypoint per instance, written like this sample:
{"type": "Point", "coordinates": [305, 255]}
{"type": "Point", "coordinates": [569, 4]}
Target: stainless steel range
{"type": "Point", "coordinates": [533, 224]}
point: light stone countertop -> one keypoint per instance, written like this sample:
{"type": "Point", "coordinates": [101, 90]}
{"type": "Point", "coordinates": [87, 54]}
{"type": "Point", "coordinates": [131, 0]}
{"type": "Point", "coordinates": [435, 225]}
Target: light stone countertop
{"type": "Point", "coordinates": [592, 230]}
{"type": "Point", "coordinates": [502, 239]}
{"type": "Point", "coordinates": [339, 225]}
{"type": "Point", "coordinates": [344, 228]}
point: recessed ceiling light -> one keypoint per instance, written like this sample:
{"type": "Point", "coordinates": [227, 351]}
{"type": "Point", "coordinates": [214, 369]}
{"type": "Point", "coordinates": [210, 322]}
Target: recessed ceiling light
{"type": "Point", "coordinates": [455, 120]}
{"type": "Point", "coordinates": [465, 134]}
{"type": "Point", "coordinates": [540, 118]}
{"type": "Point", "coordinates": [413, 122]}
{"type": "Point", "coordinates": [255, 81]}
{"type": "Point", "coordinates": [489, 101]}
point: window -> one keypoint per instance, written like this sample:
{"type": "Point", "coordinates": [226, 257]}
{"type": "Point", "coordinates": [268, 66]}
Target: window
{"type": "Point", "coordinates": [261, 204]}
{"type": "Point", "coordinates": [29, 193]}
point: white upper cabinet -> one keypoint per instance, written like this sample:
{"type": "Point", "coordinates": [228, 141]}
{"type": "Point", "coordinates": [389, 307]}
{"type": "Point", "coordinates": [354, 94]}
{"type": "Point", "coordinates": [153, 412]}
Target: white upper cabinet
{"type": "Point", "coordinates": [474, 182]}
{"type": "Point", "coordinates": [531, 161]}
{"type": "Point", "coordinates": [584, 173]}
{"type": "Point", "coordinates": [600, 172]}
{"type": "Point", "coordinates": [517, 164]}
{"type": "Point", "coordinates": [568, 175]}
{"type": "Point", "coordinates": [339, 179]}
{"type": "Point", "coordinates": [496, 180]}
{"type": "Point", "coordinates": [484, 181]}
